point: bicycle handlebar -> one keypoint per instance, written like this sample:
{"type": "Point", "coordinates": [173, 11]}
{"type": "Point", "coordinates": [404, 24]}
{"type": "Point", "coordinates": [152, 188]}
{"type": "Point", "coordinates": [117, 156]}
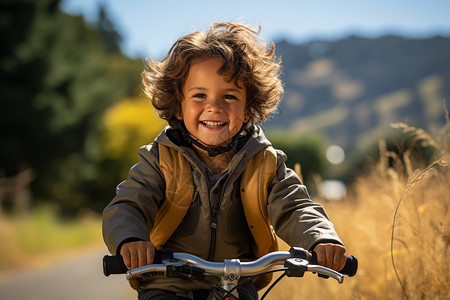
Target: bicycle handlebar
{"type": "Point", "coordinates": [303, 259]}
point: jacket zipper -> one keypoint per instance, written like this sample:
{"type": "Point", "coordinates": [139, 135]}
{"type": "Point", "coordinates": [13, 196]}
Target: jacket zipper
{"type": "Point", "coordinates": [214, 221]}
{"type": "Point", "coordinates": [212, 245]}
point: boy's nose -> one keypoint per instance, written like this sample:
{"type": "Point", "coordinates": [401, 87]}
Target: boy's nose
{"type": "Point", "coordinates": [214, 104]}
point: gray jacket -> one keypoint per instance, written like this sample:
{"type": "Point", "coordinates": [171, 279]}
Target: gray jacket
{"type": "Point", "coordinates": [214, 227]}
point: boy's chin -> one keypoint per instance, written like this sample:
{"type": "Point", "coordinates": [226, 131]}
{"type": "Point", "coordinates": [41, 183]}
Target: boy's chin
{"type": "Point", "coordinates": [216, 144]}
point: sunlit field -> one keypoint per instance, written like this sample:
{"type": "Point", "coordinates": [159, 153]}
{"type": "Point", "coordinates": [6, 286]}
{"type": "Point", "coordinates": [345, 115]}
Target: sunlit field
{"type": "Point", "coordinates": [395, 219]}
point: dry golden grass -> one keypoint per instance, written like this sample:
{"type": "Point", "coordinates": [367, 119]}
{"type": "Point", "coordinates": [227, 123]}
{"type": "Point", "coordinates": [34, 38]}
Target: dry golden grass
{"type": "Point", "coordinates": [396, 222]}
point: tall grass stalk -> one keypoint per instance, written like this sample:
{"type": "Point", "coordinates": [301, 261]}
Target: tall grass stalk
{"type": "Point", "coordinates": [412, 180]}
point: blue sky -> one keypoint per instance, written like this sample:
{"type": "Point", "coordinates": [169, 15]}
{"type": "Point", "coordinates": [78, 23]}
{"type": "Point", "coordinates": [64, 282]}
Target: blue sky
{"type": "Point", "coordinates": [149, 27]}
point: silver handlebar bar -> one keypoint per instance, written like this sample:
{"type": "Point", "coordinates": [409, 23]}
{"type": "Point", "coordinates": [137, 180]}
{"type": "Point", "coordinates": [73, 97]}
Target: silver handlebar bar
{"type": "Point", "coordinates": [233, 269]}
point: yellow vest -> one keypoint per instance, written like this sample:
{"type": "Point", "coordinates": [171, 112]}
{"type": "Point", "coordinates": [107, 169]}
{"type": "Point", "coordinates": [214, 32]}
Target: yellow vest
{"type": "Point", "coordinates": [260, 171]}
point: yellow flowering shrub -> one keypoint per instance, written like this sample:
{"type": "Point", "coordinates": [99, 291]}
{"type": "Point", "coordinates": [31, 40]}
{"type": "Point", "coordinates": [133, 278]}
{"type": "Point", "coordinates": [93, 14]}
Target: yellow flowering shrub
{"type": "Point", "coordinates": [128, 125]}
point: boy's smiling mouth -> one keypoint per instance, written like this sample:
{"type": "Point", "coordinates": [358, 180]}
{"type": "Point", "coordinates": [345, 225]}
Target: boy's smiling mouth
{"type": "Point", "coordinates": [213, 124]}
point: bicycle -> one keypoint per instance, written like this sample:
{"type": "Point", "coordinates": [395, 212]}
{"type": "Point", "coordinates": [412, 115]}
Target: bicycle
{"type": "Point", "coordinates": [295, 263]}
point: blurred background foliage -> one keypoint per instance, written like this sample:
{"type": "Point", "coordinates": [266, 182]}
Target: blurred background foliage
{"type": "Point", "coordinates": [127, 125]}
{"type": "Point", "coordinates": [59, 76]}
{"type": "Point", "coordinates": [306, 149]}
{"type": "Point", "coordinates": [73, 115]}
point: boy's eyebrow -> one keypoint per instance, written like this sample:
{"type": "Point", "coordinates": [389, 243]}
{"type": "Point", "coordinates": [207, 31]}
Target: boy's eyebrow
{"type": "Point", "coordinates": [205, 89]}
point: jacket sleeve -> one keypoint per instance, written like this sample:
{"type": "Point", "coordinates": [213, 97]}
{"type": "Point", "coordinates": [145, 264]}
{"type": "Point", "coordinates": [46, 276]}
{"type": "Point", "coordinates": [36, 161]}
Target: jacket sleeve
{"type": "Point", "coordinates": [296, 219]}
{"type": "Point", "coordinates": [130, 215]}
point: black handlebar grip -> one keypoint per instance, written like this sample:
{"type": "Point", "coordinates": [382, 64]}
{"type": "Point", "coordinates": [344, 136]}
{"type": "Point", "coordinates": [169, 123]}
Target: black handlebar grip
{"type": "Point", "coordinates": [113, 265]}
{"type": "Point", "coordinates": [350, 268]}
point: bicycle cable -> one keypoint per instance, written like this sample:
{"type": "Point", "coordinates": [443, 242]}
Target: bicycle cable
{"type": "Point", "coordinates": [260, 274]}
{"type": "Point", "coordinates": [272, 285]}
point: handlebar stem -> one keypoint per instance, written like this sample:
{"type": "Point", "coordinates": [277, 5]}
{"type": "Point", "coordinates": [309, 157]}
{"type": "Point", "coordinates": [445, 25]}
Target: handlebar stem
{"type": "Point", "coordinates": [232, 269]}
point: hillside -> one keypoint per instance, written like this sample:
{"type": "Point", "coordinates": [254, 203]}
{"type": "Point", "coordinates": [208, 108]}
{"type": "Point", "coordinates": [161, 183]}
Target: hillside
{"type": "Point", "coordinates": [350, 90]}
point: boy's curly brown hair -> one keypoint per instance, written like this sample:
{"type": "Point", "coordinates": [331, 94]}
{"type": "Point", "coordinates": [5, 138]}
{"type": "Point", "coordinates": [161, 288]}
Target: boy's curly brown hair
{"type": "Point", "coordinates": [246, 59]}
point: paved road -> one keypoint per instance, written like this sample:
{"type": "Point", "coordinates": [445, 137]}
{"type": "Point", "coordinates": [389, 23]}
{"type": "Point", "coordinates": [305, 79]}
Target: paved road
{"type": "Point", "coordinates": [76, 279]}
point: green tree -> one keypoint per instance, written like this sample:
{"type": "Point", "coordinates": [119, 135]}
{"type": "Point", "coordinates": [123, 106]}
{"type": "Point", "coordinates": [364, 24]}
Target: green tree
{"type": "Point", "coordinates": [308, 150]}
{"type": "Point", "coordinates": [57, 79]}
{"type": "Point", "coordinates": [108, 32]}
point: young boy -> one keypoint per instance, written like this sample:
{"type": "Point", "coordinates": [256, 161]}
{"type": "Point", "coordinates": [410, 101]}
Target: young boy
{"type": "Point", "coordinates": [210, 184]}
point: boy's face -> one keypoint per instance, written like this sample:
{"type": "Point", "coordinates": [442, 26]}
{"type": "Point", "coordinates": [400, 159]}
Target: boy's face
{"type": "Point", "coordinates": [212, 108]}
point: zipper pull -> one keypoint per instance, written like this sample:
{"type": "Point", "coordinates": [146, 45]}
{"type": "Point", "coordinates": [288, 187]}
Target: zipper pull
{"type": "Point", "coordinates": [214, 223]}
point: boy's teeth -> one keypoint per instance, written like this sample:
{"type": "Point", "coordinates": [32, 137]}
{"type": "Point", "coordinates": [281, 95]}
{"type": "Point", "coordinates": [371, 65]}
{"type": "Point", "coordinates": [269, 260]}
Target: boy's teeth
{"type": "Point", "coordinates": [213, 124]}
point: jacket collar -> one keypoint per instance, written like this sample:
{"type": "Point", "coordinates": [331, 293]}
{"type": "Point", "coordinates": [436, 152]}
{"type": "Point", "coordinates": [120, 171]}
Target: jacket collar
{"type": "Point", "coordinates": [172, 137]}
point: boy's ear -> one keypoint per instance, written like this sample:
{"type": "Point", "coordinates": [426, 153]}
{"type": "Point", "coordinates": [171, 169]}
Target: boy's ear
{"type": "Point", "coordinates": [246, 117]}
{"type": "Point", "coordinates": [178, 113]}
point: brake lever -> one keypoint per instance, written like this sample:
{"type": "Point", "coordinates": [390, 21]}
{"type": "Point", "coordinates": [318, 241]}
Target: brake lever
{"type": "Point", "coordinates": [296, 267]}
{"type": "Point", "coordinates": [314, 261]}
{"type": "Point", "coordinates": [184, 271]}
{"type": "Point", "coordinates": [330, 273]}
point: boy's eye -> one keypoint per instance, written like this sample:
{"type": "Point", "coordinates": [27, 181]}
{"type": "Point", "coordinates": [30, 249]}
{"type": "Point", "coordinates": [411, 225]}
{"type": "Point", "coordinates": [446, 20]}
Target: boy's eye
{"type": "Point", "coordinates": [199, 96]}
{"type": "Point", "coordinates": [228, 97]}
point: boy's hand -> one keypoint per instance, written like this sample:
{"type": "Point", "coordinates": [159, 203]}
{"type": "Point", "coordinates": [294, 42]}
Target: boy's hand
{"type": "Point", "coordinates": [332, 256]}
{"type": "Point", "coordinates": [137, 254]}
